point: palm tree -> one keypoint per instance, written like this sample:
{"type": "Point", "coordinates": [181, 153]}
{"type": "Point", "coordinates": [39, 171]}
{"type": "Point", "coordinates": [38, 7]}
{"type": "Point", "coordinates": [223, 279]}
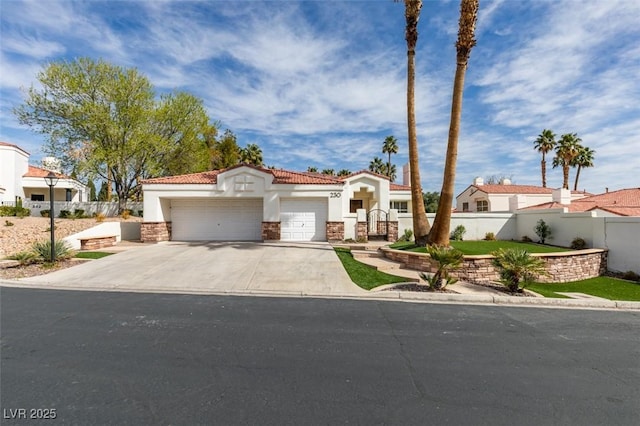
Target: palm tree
{"type": "Point", "coordinates": [584, 159]}
{"type": "Point", "coordinates": [439, 234]}
{"type": "Point", "coordinates": [376, 165]}
{"type": "Point", "coordinates": [567, 150]}
{"type": "Point", "coordinates": [329, 172]}
{"type": "Point", "coordinates": [517, 266]}
{"type": "Point", "coordinates": [391, 173]}
{"type": "Point", "coordinates": [420, 223]}
{"type": "Point", "coordinates": [390, 146]}
{"type": "Point", "coordinates": [448, 260]}
{"type": "Point", "coordinates": [344, 172]}
{"type": "Point", "coordinates": [252, 154]}
{"type": "Point", "coordinates": [312, 169]}
{"type": "Point", "coordinates": [545, 143]}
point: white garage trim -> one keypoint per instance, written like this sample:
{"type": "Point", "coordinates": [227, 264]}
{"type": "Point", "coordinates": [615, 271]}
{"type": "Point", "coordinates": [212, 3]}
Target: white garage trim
{"type": "Point", "coordinates": [222, 219]}
{"type": "Point", "coordinates": [303, 219]}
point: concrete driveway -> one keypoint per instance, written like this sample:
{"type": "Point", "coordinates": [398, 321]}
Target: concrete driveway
{"type": "Point", "coordinates": [216, 267]}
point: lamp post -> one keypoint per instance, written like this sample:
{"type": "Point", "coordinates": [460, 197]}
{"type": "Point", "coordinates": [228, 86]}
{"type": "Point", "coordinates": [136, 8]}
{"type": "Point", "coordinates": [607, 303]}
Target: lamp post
{"type": "Point", "coordinates": [51, 179]}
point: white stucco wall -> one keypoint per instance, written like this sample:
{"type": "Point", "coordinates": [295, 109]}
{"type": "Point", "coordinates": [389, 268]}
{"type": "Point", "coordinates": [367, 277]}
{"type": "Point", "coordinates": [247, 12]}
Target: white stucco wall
{"type": "Point", "coordinates": [622, 238]}
{"type": "Point", "coordinates": [13, 164]}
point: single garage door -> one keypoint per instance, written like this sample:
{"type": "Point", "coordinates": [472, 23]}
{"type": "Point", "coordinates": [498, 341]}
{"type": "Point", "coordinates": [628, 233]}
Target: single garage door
{"type": "Point", "coordinates": [303, 220]}
{"type": "Point", "coordinates": [216, 220]}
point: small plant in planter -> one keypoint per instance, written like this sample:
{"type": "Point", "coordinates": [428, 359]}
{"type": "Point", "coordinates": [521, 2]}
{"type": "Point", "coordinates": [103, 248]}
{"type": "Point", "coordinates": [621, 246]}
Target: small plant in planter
{"type": "Point", "coordinates": [543, 231]}
{"type": "Point", "coordinates": [578, 243]}
{"type": "Point", "coordinates": [448, 260]}
{"type": "Point", "coordinates": [517, 268]}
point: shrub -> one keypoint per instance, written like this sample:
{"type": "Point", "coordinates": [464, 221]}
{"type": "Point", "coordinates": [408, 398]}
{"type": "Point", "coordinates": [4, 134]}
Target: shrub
{"type": "Point", "coordinates": [78, 213]}
{"type": "Point", "coordinates": [61, 248]}
{"type": "Point", "coordinates": [448, 259]}
{"type": "Point", "coordinates": [526, 239]}
{"type": "Point", "coordinates": [18, 211]}
{"type": "Point", "coordinates": [22, 212]}
{"type": "Point", "coordinates": [458, 233]}
{"type": "Point", "coordinates": [140, 213]}
{"type": "Point", "coordinates": [543, 231]}
{"type": "Point", "coordinates": [517, 268]}
{"type": "Point", "coordinates": [126, 214]}
{"type": "Point", "coordinates": [578, 243]}
{"type": "Point", "coordinates": [24, 257]}
{"type": "Point", "coordinates": [490, 236]}
{"type": "Point", "coordinates": [100, 217]}
{"type": "Point", "coordinates": [45, 213]}
{"type": "Point", "coordinates": [407, 236]}
{"type": "Point", "coordinates": [631, 276]}
{"type": "Point", "coordinates": [8, 223]}
{"type": "Point", "coordinates": [65, 214]}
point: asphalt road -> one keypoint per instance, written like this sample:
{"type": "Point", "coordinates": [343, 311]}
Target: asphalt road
{"type": "Point", "coordinates": [122, 358]}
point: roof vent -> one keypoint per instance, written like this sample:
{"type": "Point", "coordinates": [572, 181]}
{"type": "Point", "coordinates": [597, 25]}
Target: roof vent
{"type": "Point", "coordinates": [478, 181]}
{"type": "Point", "coordinates": [505, 181]}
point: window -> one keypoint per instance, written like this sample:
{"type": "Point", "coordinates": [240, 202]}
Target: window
{"type": "Point", "coordinates": [465, 207]}
{"type": "Point", "coordinates": [401, 206]}
{"type": "Point", "coordinates": [354, 205]}
{"type": "Point", "coordinates": [37, 197]}
{"type": "Point", "coordinates": [482, 206]}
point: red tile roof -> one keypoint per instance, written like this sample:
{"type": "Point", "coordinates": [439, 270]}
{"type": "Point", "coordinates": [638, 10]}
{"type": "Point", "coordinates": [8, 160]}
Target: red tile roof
{"type": "Point", "coordinates": [624, 202]}
{"type": "Point", "coordinates": [397, 187]}
{"type": "Point", "coordinates": [282, 177]}
{"type": "Point", "coordinates": [513, 189]}
{"type": "Point", "coordinates": [37, 172]}
{"type": "Point", "coordinates": [365, 172]}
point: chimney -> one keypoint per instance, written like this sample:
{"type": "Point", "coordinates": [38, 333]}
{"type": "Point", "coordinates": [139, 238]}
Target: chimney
{"type": "Point", "coordinates": [562, 196]}
{"type": "Point", "coordinates": [406, 175]}
{"type": "Point", "coordinates": [52, 164]}
{"type": "Point", "coordinates": [606, 189]}
{"type": "Point", "coordinates": [478, 181]}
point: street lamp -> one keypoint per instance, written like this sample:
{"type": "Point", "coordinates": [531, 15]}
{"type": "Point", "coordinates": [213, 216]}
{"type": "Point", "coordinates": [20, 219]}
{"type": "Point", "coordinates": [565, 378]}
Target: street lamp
{"type": "Point", "coordinates": [51, 179]}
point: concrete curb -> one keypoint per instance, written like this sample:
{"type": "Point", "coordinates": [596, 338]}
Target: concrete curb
{"type": "Point", "coordinates": [410, 297]}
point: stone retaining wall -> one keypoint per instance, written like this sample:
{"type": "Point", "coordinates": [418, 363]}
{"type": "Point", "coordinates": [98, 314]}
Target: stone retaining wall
{"type": "Point", "coordinates": [562, 267]}
{"type": "Point", "coordinates": [335, 231]}
{"type": "Point", "coordinates": [270, 231]}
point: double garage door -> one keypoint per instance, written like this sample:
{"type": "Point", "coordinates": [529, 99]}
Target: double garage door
{"type": "Point", "coordinates": [241, 220]}
{"type": "Point", "coordinates": [216, 220]}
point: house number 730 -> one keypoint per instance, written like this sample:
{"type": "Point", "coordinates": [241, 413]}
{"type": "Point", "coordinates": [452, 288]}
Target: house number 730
{"type": "Point", "coordinates": [335, 195]}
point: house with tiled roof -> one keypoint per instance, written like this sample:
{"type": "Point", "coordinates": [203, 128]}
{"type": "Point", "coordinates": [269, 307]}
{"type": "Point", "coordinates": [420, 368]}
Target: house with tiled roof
{"type": "Point", "coordinates": [623, 202]}
{"type": "Point", "coordinates": [506, 197]}
{"type": "Point", "coordinates": [252, 203]}
{"type": "Point", "coordinates": [20, 180]}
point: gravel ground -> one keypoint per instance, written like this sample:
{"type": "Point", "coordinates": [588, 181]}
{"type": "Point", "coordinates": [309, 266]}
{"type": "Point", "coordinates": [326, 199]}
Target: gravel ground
{"type": "Point", "coordinates": [24, 232]}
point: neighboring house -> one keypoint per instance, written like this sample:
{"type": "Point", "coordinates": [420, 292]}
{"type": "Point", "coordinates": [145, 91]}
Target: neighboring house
{"type": "Point", "coordinates": [252, 203]}
{"type": "Point", "coordinates": [505, 197]}
{"type": "Point", "coordinates": [19, 180]}
{"type": "Point", "coordinates": [624, 202]}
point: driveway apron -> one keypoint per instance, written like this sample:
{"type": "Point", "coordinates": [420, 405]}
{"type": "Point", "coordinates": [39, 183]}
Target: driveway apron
{"type": "Point", "coordinates": [242, 267]}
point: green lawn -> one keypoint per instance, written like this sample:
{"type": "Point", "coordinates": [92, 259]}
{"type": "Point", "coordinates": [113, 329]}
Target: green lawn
{"type": "Point", "coordinates": [92, 254]}
{"type": "Point", "coordinates": [363, 275]}
{"type": "Point", "coordinates": [605, 287]}
{"type": "Point", "coordinates": [485, 247]}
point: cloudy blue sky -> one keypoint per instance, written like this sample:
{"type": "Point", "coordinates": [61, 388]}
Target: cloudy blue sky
{"type": "Point", "coordinates": [322, 83]}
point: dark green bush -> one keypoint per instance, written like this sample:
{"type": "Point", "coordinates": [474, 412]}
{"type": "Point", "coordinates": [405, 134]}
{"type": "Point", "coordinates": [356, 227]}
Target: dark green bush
{"type": "Point", "coordinates": [458, 233]}
{"type": "Point", "coordinates": [490, 236]}
{"type": "Point", "coordinates": [14, 211]}
{"type": "Point", "coordinates": [45, 213]}
{"type": "Point", "coordinates": [78, 213]}
{"type": "Point", "coordinates": [578, 243]}
{"type": "Point", "coordinates": [61, 247]}
{"type": "Point", "coordinates": [65, 214]}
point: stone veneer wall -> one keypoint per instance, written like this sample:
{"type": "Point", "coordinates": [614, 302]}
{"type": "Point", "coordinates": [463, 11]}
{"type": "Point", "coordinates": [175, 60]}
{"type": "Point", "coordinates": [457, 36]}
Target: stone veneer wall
{"type": "Point", "coordinates": [335, 231]}
{"type": "Point", "coordinates": [155, 231]}
{"type": "Point", "coordinates": [361, 231]}
{"type": "Point", "coordinates": [392, 232]}
{"type": "Point", "coordinates": [270, 231]}
{"type": "Point", "coordinates": [562, 267]}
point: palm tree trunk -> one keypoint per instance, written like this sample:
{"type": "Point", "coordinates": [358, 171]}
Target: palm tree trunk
{"type": "Point", "coordinates": [439, 234]}
{"type": "Point", "coordinates": [575, 186]}
{"type": "Point", "coordinates": [420, 223]}
{"type": "Point", "coordinates": [543, 167]}
{"type": "Point", "coordinates": [389, 166]}
{"type": "Point", "coordinates": [565, 176]}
